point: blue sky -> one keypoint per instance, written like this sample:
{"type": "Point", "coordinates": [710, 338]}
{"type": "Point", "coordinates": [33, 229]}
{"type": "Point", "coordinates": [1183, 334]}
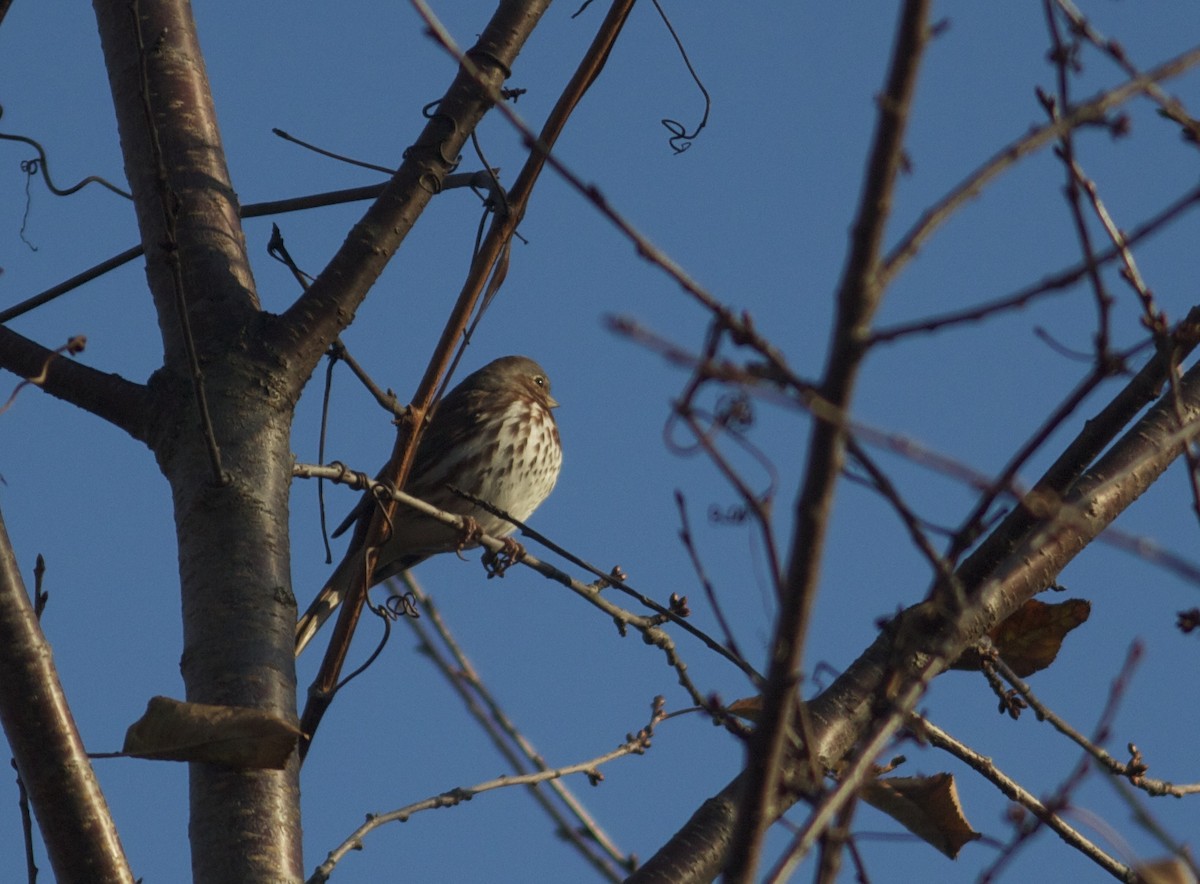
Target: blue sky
{"type": "Point", "coordinates": [758, 211]}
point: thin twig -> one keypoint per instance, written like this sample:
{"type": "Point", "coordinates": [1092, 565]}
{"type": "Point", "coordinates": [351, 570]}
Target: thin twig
{"type": "Point", "coordinates": [42, 163]}
{"type": "Point", "coordinates": [1012, 790]}
{"type": "Point", "coordinates": [947, 581]}
{"type": "Point", "coordinates": [1053, 284]}
{"type": "Point", "coordinates": [635, 744]}
{"type": "Point", "coordinates": [615, 579]}
{"type": "Point", "coordinates": [649, 627]}
{"type": "Point", "coordinates": [252, 210]}
{"type": "Point", "coordinates": [1062, 56]}
{"type": "Point", "coordinates": [1134, 771]}
{"type": "Point", "coordinates": [341, 158]}
{"type": "Point", "coordinates": [585, 832]}
{"type": "Point", "coordinates": [860, 290]}
{"type": "Point", "coordinates": [31, 869]}
{"type": "Point", "coordinates": [972, 526]}
{"type": "Point", "coordinates": [681, 139]}
{"type": "Point", "coordinates": [1061, 796]}
{"type": "Point", "coordinates": [685, 537]}
{"type": "Point", "coordinates": [1087, 112]}
{"type": "Point", "coordinates": [1171, 107]}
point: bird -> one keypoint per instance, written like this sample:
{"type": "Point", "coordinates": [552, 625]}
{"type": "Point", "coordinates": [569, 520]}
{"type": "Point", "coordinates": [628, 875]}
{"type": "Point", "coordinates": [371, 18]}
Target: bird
{"type": "Point", "coordinates": [493, 436]}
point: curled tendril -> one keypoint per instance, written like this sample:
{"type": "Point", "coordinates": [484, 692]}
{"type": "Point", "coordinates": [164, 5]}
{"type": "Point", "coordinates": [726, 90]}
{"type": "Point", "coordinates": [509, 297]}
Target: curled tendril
{"type": "Point", "coordinates": [42, 164]}
{"type": "Point", "coordinates": [393, 609]}
{"type": "Point", "coordinates": [403, 606]}
{"type": "Point", "coordinates": [681, 139]}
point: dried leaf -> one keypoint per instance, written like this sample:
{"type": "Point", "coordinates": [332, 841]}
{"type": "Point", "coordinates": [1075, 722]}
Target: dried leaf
{"type": "Point", "coordinates": [926, 806]}
{"type": "Point", "coordinates": [1172, 870]}
{"type": "Point", "coordinates": [234, 736]}
{"type": "Point", "coordinates": [749, 708]}
{"type": "Point", "coordinates": [1028, 641]}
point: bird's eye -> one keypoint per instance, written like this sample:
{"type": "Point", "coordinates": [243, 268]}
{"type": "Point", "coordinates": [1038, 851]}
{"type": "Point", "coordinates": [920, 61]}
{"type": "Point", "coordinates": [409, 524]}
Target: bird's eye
{"type": "Point", "coordinates": [540, 381]}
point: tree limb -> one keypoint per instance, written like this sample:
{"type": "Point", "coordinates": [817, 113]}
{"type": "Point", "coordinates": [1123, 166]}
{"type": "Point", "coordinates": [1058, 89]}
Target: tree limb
{"type": "Point", "coordinates": [327, 307]}
{"type": "Point", "coordinates": [73, 817]}
{"type": "Point", "coordinates": [858, 297]}
{"type": "Point", "coordinates": [923, 640]}
{"type": "Point", "coordinates": [118, 401]}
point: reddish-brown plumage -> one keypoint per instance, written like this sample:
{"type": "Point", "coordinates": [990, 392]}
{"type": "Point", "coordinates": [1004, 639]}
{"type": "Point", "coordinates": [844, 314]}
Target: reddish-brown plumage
{"type": "Point", "coordinates": [493, 436]}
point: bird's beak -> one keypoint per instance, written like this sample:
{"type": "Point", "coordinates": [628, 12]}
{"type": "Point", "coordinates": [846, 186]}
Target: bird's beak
{"type": "Point", "coordinates": [552, 402]}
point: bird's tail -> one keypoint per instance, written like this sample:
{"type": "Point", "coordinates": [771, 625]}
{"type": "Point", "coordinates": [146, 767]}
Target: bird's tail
{"type": "Point", "coordinates": [326, 602]}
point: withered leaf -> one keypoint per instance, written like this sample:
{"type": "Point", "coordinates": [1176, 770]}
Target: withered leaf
{"type": "Point", "coordinates": [926, 806]}
{"type": "Point", "coordinates": [1171, 870]}
{"type": "Point", "coordinates": [1028, 641]}
{"type": "Point", "coordinates": [749, 708]}
{"type": "Point", "coordinates": [235, 736]}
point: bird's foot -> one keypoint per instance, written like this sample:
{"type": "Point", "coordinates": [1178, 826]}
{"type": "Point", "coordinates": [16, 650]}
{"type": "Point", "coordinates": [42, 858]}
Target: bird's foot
{"type": "Point", "coordinates": [496, 563]}
{"type": "Point", "coordinates": [469, 537]}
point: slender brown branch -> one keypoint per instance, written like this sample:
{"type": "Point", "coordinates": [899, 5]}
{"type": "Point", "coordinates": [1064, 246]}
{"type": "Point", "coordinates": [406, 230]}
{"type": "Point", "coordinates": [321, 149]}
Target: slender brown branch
{"type": "Point", "coordinates": [1013, 790]}
{"type": "Point", "coordinates": [118, 401]}
{"type": "Point", "coordinates": [571, 820]}
{"type": "Point", "coordinates": [618, 581]}
{"type": "Point", "coordinates": [1061, 796]}
{"type": "Point", "coordinates": [685, 537]}
{"type": "Point", "coordinates": [1055, 283]}
{"type": "Point", "coordinates": [650, 628]}
{"type": "Point", "coordinates": [386, 400]}
{"type": "Point", "coordinates": [972, 526]}
{"type": "Point", "coordinates": [482, 71]}
{"type": "Point", "coordinates": [31, 869]}
{"type": "Point", "coordinates": [858, 297]}
{"type": "Point", "coordinates": [67, 285]}
{"type": "Point", "coordinates": [939, 564]}
{"type": "Point", "coordinates": [80, 835]}
{"type": "Point", "coordinates": [1171, 107]}
{"type": "Point", "coordinates": [252, 210]}
{"type": "Point", "coordinates": [635, 744]}
{"type": "Point", "coordinates": [1020, 563]}
{"type": "Point", "coordinates": [1060, 55]}
{"type": "Point", "coordinates": [1129, 771]}
{"type": "Point", "coordinates": [970, 187]}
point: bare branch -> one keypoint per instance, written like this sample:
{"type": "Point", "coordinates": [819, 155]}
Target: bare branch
{"type": "Point", "coordinates": [650, 628]}
{"type": "Point", "coordinates": [75, 823]}
{"type": "Point", "coordinates": [635, 744]}
{"type": "Point", "coordinates": [1134, 772]}
{"type": "Point", "coordinates": [970, 187]}
{"type": "Point", "coordinates": [1052, 284]}
{"type": "Point", "coordinates": [308, 327]}
{"type": "Point", "coordinates": [858, 297]}
{"type": "Point", "coordinates": [584, 832]}
{"type": "Point", "coordinates": [1013, 790]}
{"type": "Point", "coordinates": [118, 401]}
{"type": "Point", "coordinates": [922, 640]}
